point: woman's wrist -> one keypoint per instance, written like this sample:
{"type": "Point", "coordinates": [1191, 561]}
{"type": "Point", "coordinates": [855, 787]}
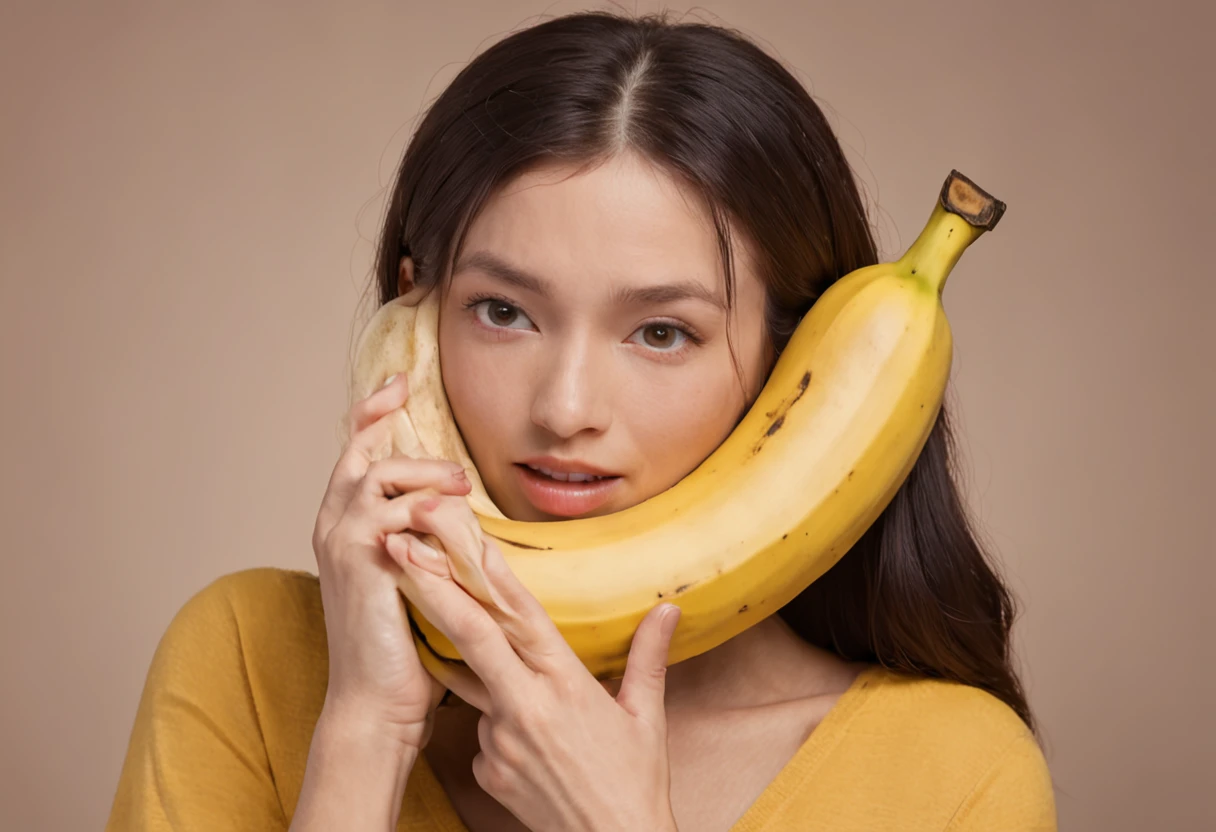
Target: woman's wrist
{"type": "Point", "coordinates": [356, 773]}
{"type": "Point", "coordinates": [357, 722]}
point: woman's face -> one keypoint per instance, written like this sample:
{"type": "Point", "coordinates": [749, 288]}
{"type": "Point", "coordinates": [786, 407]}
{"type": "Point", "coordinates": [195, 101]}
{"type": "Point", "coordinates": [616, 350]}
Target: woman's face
{"type": "Point", "coordinates": [584, 333]}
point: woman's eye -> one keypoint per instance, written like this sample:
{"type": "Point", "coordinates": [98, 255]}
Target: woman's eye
{"type": "Point", "coordinates": [498, 314]}
{"type": "Point", "coordinates": [494, 313]}
{"type": "Point", "coordinates": [664, 337]}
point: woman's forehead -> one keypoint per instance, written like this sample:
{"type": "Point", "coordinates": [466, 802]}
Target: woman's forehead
{"type": "Point", "coordinates": [624, 221]}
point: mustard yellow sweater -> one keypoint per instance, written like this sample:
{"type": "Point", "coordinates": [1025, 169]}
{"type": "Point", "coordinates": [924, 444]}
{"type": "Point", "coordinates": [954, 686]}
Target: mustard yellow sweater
{"type": "Point", "coordinates": [224, 725]}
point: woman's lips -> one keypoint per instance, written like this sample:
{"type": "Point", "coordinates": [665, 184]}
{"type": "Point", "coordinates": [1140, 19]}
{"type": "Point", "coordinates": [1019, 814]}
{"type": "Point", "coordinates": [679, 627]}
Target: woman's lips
{"type": "Point", "coordinates": [564, 499]}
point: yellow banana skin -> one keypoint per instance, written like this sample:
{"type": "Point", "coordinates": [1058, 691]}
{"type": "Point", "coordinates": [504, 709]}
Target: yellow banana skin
{"type": "Point", "coordinates": [821, 452]}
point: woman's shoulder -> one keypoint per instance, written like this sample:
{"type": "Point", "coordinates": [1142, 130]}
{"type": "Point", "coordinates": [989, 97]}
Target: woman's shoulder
{"type": "Point", "coordinates": [943, 710]}
{"type": "Point", "coordinates": [925, 740]}
{"type": "Point", "coordinates": [262, 584]}
{"type": "Point", "coordinates": [262, 627]}
{"type": "Point", "coordinates": [250, 600]}
{"type": "Point", "coordinates": [262, 609]}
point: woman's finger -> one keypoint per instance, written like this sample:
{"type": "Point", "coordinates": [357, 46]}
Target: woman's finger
{"type": "Point", "coordinates": [465, 684]}
{"type": "Point", "coordinates": [532, 632]}
{"type": "Point", "coordinates": [488, 577]}
{"type": "Point", "coordinates": [454, 676]}
{"type": "Point", "coordinates": [391, 395]}
{"type": "Point", "coordinates": [399, 514]}
{"type": "Point", "coordinates": [481, 642]}
{"type": "Point", "coordinates": [454, 525]}
{"type": "Point", "coordinates": [398, 475]}
{"type": "Point", "coordinates": [372, 440]}
{"type": "Point", "coordinates": [643, 684]}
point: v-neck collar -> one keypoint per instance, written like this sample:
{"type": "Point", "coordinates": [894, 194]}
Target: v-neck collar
{"type": "Point", "coordinates": [809, 756]}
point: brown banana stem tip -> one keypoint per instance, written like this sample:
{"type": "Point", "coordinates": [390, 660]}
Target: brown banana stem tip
{"type": "Point", "coordinates": [971, 202]}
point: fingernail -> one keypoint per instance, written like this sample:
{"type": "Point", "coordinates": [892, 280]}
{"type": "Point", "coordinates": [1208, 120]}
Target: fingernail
{"type": "Point", "coordinates": [460, 477]}
{"type": "Point", "coordinates": [670, 619]}
{"type": "Point", "coordinates": [389, 380]}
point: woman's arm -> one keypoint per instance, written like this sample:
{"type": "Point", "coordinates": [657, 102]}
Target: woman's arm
{"type": "Point", "coordinates": [355, 778]}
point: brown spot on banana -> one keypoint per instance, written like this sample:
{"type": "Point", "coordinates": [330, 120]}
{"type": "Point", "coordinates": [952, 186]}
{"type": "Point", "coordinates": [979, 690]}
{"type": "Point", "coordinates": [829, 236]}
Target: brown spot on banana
{"type": "Point", "coordinates": [781, 412]}
{"type": "Point", "coordinates": [681, 588]}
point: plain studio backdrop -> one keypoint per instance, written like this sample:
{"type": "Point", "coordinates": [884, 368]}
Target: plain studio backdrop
{"type": "Point", "coordinates": [188, 199]}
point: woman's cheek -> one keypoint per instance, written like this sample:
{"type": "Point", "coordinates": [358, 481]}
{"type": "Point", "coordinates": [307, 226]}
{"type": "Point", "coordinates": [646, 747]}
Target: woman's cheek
{"type": "Point", "coordinates": [681, 423]}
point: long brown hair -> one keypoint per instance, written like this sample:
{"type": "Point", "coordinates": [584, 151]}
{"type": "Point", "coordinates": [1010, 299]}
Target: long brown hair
{"type": "Point", "coordinates": [917, 593]}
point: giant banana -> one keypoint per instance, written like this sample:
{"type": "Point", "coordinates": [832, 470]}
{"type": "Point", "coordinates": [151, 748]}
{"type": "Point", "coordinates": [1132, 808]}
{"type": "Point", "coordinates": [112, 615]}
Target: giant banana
{"type": "Point", "coordinates": [821, 452]}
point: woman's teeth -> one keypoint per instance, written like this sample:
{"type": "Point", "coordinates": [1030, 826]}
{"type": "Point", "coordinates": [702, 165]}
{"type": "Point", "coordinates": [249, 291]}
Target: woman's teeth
{"type": "Point", "coordinates": [574, 476]}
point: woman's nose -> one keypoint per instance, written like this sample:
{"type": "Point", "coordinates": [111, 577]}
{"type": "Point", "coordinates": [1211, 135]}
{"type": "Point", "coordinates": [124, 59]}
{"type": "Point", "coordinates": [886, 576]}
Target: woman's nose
{"type": "Point", "coordinates": [573, 394]}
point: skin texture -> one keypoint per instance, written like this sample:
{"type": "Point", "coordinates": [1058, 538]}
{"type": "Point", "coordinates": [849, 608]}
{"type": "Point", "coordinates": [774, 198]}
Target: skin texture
{"type": "Point", "coordinates": [571, 373]}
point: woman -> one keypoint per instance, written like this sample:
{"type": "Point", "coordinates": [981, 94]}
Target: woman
{"type": "Point", "coordinates": [625, 218]}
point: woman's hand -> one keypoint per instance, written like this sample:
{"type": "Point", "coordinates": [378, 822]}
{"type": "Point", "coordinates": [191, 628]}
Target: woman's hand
{"type": "Point", "coordinates": [376, 681]}
{"type": "Point", "coordinates": [557, 749]}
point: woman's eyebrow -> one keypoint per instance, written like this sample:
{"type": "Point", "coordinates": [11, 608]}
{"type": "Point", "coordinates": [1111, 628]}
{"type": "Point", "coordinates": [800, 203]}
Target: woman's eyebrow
{"type": "Point", "coordinates": [666, 293]}
{"type": "Point", "coordinates": [496, 267]}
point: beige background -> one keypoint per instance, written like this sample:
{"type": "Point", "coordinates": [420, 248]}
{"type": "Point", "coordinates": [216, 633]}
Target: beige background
{"type": "Point", "coordinates": [187, 202]}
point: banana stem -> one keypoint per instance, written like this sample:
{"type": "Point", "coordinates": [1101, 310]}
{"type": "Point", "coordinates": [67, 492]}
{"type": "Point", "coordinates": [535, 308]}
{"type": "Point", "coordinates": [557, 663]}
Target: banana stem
{"type": "Point", "coordinates": [963, 212]}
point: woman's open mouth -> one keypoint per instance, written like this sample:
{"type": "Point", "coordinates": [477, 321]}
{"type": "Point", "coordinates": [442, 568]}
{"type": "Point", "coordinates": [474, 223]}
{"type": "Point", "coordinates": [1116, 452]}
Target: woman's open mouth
{"type": "Point", "coordinates": [564, 494]}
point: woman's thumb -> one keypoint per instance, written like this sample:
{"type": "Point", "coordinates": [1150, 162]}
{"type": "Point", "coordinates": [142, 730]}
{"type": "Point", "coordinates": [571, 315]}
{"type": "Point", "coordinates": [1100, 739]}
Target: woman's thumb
{"type": "Point", "coordinates": [645, 677]}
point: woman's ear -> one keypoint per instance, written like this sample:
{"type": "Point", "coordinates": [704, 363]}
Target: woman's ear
{"type": "Point", "coordinates": [405, 275]}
